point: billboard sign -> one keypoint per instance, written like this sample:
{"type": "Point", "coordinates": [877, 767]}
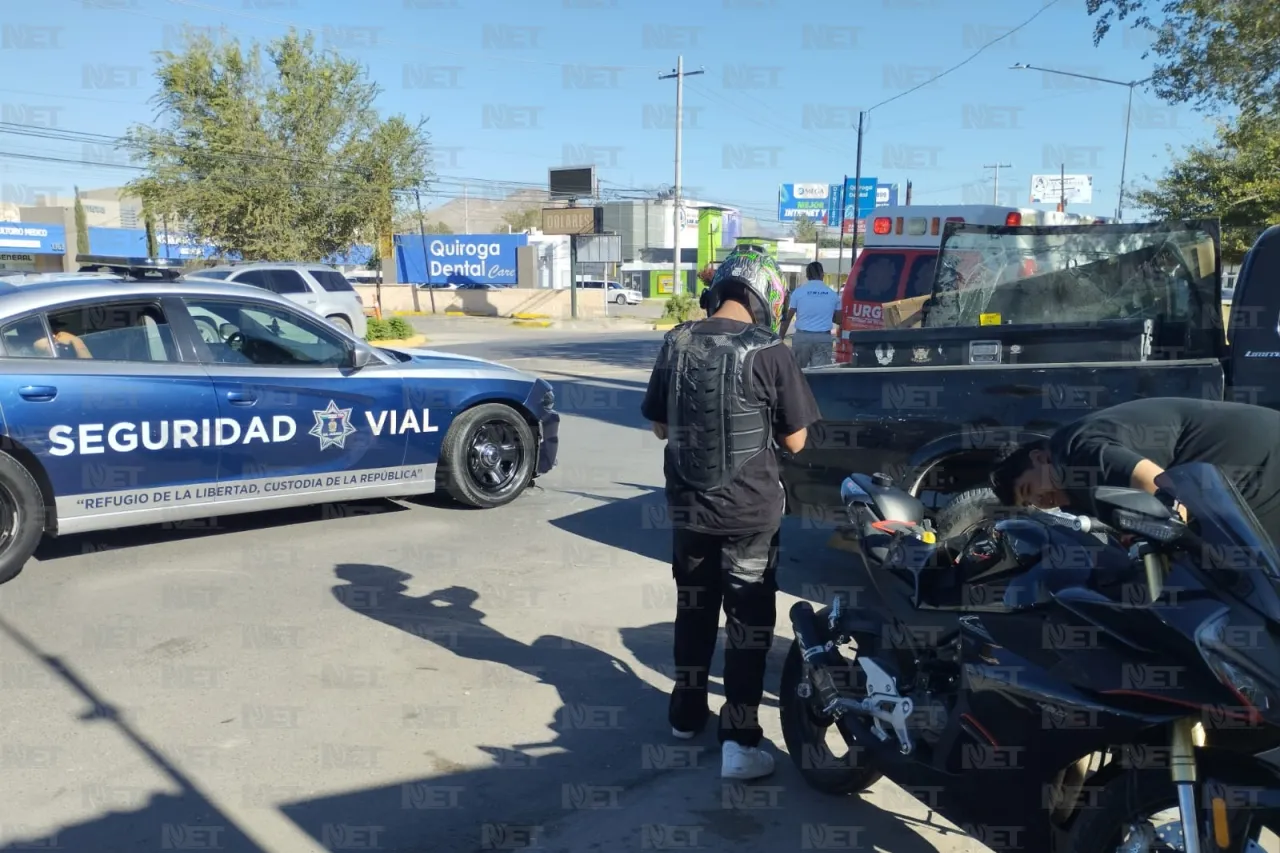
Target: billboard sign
{"type": "Point", "coordinates": [886, 195]}
{"type": "Point", "coordinates": [459, 258]}
{"type": "Point", "coordinates": [865, 195]}
{"type": "Point", "coordinates": [803, 200]}
{"type": "Point", "coordinates": [1051, 189]}
{"type": "Point", "coordinates": [572, 182]}
{"type": "Point", "coordinates": [571, 220]}
{"type": "Point", "coordinates": [33, 238]}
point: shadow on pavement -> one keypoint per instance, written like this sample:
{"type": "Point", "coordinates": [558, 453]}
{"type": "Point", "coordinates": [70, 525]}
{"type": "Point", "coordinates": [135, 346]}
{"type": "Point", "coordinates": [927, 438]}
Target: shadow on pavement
{"type": "Point", "coordinates": [606, 400]}
{"type": "Point", "coordinates": [651, 645]}
{"type": "Point", "coordinates": [182, 821]}
{"type": "Point", "coordinates": [609, 734]}
{"type": "Point", "coordinates": [610, 743]}
{"type": "Point", "coordinates": [131, 537]}
{"type": "Point", "coordinates": [630, 352]}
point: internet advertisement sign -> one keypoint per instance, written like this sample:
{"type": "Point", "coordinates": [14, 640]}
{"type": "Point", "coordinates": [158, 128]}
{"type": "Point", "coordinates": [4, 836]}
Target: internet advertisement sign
{"type": "Point", "coordinates": [803, 200]}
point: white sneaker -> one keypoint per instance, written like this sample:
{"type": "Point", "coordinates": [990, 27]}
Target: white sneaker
{"type": "Point", "coordinates": [744, 762]}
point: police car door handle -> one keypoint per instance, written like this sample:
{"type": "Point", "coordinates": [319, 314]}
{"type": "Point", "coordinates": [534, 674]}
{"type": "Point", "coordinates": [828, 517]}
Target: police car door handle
{"type": "Point", "coordinates": [241, 398]}
{"type": "Point", "coordinates": [37, 393]}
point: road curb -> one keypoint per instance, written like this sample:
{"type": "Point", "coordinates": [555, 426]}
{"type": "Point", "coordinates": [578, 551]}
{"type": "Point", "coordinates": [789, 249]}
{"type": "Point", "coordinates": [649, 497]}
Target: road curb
{"type": "Point", "coordinates": [526, 316]}
{"type": "Point", "coordinates": [400, 342]}
{"type": "Point", "coordinates": [533, 324]}
{"type": "Point", "coordinates": [664, 327]}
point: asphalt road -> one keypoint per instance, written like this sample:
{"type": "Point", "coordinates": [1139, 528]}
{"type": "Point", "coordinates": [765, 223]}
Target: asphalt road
{"type": "Point", "coordinates": [402, 676]}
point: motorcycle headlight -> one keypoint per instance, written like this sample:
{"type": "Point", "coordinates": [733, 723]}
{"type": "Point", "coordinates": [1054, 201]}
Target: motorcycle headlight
{"type": "Point", "coordinates": [1223, 653]}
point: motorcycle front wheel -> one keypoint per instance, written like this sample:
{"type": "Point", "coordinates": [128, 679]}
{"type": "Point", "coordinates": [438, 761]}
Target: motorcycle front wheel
{"type": "Point", "coordinates": [807, 733]}
{"type": "Point", "coordinates": [1138, 811]}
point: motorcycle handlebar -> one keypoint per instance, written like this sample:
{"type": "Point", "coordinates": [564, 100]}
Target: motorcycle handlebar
{"type": "Point", "coordinates": [1089, 524]}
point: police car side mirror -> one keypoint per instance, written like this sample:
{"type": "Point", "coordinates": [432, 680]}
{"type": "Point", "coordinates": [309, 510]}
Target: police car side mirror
{"type": "Point", "coordinates": [357, 358]}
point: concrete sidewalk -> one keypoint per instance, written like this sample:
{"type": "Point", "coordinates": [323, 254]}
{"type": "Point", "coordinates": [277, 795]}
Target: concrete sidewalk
{"type": "Point", "coordinates": [440, 328]}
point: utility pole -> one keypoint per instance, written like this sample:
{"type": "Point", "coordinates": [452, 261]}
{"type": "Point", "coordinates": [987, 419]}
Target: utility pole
{"type": "Point", "coordinates": [466, 211]}
{"type": "Point", "coordinates": [857, 193]}
{"type": "Point", "coordinates": [677, 284]}
{"type": "Point", "coordinates": [995, 196]}
{"type": "Point", "coordinates": [1062, 188]}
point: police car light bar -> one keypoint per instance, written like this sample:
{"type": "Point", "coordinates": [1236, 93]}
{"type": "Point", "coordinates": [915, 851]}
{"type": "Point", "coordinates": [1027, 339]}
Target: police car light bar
{"type": "Point", "coordinates": [142, 268]}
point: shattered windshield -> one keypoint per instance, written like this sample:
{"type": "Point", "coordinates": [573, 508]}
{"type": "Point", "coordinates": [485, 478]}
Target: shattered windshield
{"type": "Point", "coordinates": [1073, 273]}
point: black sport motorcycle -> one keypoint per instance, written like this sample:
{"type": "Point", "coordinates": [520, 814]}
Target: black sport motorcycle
{"type": "Point", "coordinates": [1092, 684]}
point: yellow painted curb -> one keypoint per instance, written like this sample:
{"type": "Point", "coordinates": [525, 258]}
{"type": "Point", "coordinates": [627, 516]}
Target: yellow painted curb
{"type": "Point", "coordinates": [662, 327]}
{"type": "Point", "coordinates": [524, 316]}
{"type": "Point", "coordinates": [533, 324]}
{"type": "Point", "coordinates": [411, 314]}
{"type": "Point", "coordinates": [400, 342]}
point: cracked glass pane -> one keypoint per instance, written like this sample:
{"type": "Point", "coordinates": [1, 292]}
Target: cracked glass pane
{"type": "Point", "coordinates": [1071, 274]}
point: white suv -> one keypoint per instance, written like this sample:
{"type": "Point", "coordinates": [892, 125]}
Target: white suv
{"type": "Point", "coordinates": [318, 287]}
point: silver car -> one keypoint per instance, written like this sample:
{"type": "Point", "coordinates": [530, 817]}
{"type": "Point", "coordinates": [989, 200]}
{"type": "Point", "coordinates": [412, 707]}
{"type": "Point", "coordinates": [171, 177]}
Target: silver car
{"type": "Point", "coordinates": [318, 287]}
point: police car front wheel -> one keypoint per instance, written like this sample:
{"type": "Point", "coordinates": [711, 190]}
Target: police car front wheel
{"type": "Point", "coordinates": [488, 456]}
{"type": "Point", "coordinates": [22, 514]}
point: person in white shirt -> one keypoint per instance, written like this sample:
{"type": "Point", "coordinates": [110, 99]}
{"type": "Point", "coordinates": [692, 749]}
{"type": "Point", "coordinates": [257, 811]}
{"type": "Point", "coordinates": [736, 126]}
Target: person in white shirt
{"type": "Point", "coordinates": [815, 309]}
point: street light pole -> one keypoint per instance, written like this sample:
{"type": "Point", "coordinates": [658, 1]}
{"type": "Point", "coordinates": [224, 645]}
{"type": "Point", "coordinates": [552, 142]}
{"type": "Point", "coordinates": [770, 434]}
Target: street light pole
{"type": "Point", "coordinates": [1124, 160]}
{"type": "Point", "coordinates": [677, 285]}
{"type": "Point", "coordinates": [1128, 116]}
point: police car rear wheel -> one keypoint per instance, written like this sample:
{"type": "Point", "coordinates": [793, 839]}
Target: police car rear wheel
{"type": "Point", "coordinates": [488, 456]}
{"type": "Point", "coordinates": [21, 517]}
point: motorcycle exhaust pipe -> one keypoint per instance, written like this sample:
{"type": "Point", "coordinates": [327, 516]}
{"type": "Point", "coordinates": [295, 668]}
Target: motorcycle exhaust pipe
{"type": "Point", "coordinates": [818, 653]}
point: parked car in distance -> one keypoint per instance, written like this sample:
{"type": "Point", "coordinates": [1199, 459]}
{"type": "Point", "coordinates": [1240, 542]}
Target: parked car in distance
{"type": "Point", "coordinates": [482, 285]}
{"type": "Point", "coordinates": [319, 287]}
{"type": "Point", "coordinates": [618, 294]}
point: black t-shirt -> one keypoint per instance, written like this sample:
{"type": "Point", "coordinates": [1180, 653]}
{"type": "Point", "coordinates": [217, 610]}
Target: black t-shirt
{"type": "Point", "coordinates": [754, 502]}
{"type": "Point", "coordinates": [1103, 448]}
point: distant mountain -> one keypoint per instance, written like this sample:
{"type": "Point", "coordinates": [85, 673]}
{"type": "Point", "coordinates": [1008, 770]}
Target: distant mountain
{"type": "Point", "coordinates": [474, 215]}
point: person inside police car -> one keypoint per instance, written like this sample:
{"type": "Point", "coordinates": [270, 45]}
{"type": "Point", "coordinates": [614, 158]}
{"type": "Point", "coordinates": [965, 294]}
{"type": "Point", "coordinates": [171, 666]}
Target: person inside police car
{"type": "Point", "coordinates": [65, 344]}
{"type": "Point", "coordinates": [725, 394]}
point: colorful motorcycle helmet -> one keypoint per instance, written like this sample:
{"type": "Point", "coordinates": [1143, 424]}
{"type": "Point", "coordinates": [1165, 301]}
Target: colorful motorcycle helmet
{"type": "Point", "coordinates": [752, 268]}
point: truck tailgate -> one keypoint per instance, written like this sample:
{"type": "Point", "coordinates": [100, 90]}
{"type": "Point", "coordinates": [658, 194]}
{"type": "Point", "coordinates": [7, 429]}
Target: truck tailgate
{"type": "Point", "coordinates": [890, 418]}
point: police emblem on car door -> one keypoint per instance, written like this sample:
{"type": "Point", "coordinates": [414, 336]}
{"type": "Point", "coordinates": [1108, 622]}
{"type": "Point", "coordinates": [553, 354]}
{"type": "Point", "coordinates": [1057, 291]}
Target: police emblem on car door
{"type": "Point", "coordinates": [330, 428]}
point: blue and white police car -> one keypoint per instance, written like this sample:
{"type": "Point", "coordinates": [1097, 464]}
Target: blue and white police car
{"type": "Point", "coordinates": [135, 402]}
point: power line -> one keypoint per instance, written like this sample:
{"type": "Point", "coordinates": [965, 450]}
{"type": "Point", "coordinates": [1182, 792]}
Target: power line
{"type": "Point", "coordinates": [971, 58]}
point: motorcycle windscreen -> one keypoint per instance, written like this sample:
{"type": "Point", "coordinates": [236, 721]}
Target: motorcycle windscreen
{"type": "Point", "coordinates": [1234, 538]}
{"type": "Point", "coordinates": [1166, 272]}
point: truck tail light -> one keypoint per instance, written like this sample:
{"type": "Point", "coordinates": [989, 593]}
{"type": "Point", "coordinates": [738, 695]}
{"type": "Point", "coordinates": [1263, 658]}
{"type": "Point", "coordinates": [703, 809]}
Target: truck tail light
{"type": "Point", "coordinates": [934, 228]}
{"type": "Point", "coordinates": [898, 226]}
{"type": "Point", "coordinates": [882, 225]}
{"type": "Point", "coordinates": [1013, 219]}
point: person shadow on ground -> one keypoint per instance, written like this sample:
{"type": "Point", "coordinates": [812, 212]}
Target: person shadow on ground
{"type": "Point", "coordinates": [610, 740]}
{"type": "Point", "coordinates": [609, 720]}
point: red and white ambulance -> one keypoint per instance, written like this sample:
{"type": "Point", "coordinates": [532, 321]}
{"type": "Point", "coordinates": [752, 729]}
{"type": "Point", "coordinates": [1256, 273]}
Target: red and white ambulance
{"type": "Point", "coordinates": [900, 251]}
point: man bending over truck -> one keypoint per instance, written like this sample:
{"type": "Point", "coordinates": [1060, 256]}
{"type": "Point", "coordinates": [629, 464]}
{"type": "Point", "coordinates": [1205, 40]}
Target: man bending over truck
{"type": "Point", "coordinates": [1131, 444]}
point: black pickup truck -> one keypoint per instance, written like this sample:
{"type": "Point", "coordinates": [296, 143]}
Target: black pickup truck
{"type": "Point", "coordinates": [1029, 328]}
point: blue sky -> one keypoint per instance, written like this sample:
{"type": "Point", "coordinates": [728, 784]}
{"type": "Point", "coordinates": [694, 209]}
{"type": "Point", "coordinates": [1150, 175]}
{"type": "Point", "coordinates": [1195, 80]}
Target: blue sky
{"type": "Point", "coordinates": [511, 88]}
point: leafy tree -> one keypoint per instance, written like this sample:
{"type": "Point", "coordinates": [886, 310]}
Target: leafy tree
{"type": "Point", "coordinates": [283, 160]}
{"type": "Point", "coordinates": [1209, 52]}
{"type": "Point", "coordinates": [438, 228]}
{"type": "Point", "coordinates": [523, 220]}
{"type": "Point", "coordinates": [1236, 179]}
{"type": "Point", "coordinates": [153, 245]}
{"type": "Point", "coordinates": [805, 230]}
{"type": "Point", "coordinates": [82, 226]}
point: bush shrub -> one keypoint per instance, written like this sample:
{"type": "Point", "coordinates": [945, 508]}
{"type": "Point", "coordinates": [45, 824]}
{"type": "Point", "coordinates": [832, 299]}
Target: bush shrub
{"type": "Point", "coordinates": [399, 328]}
{"type": "Point", "coordinates": [377, 330]}
{"type": "Point", "coordinates": [681, 307]}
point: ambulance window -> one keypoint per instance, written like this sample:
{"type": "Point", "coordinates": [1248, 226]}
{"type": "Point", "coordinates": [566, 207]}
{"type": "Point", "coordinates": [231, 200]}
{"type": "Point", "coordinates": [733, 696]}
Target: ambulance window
{"type": "Point", "coordinates": [921, 281]}
{"type": "Point", "coordinates": [878, 277]}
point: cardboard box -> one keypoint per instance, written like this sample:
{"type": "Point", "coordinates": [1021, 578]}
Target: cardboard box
{"type": "Point", "coordinates": [904, 313]}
